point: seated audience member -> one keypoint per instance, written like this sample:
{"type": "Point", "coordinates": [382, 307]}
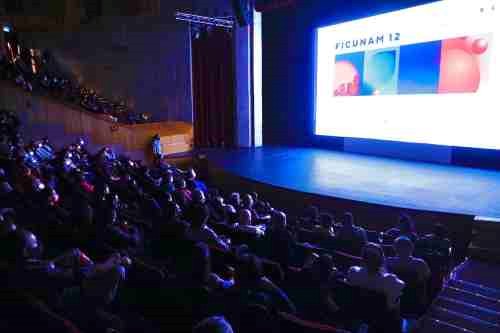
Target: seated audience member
{"type": "Point", "coordinates": [193, 183]}
{"type": "Point", "coordinates": [218, 210]}
{"type": "Point", "coordinates": [234, 200]}
{"type": "Point", "coordinates": [85, 185]}
{"type": "Point", "coordinates": [31, 160]}
{"type": "Point", "coordinates": [405, 227]}
{"type": "Point", "coordinates": [44, 151]}
{"type": "Point", "coordinates": [198, 197]}
{"type": "Point", "coordinates": [200, 232]}
{"type": "Point", "coordinates": [318, 279]}
{"type": "Point", "coordinates": [324, 231]}
{"type": "Point", "coordinates": [182, 194]}
{"type": "Point", "coordinates": [5, 188]}
{"type": "Point", "coordinates": [213, 325]}
{"type": "Point", "coordinates": [169, 234]}
{"type": "Point", "coordinates": [372, 275]}
{"type": "Point", "coordinates": [98, 282]}
{"type": "Point", "coordinates": [350, 237]}
{"type": "Point", "coordinates": [250, 204]}
{"type": "Point", "coordinates": [6, 148]}
{"type": "Point", "coordinates": [198, 271]}
{"type": "Point", "coordinates": [231, 214]}
{"type": "Point", "coordinates": [404, 261]}
{"type": "Point", "coordinates": [435, 243]}
{"type": "Point", "coordinates": [167, 182]}
{"type": "Point", "coordinates": [310, 217]}
{"type": "Point", "coordinates": [81, 148]}
{"type": "Point", "coordinates": [255, 197]}
{"type": "Point", "coordinates": [262, 210]}
{"type": "Point", "coordinates": [245, 223]}
{"type": "Point", "coordinates": [280, 241]}
{"type": "Point", "coordinates": [119, 234]}
{"type": "Point", "coordinates": [198, 200]}
{"type": "Point", "coordinates": [6, 228]}
{"type": "Point", "coordinates": [252, 286]}
{"type": "Point", "coordinates": [106, 155]}
{"type": "Point", "coordinates": [247, 202]}
{"type": "Point", "coordinates": [190, 295]}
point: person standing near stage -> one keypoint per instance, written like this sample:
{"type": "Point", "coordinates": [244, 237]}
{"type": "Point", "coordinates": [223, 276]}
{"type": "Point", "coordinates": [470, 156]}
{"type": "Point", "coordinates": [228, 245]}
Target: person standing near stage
{"type": "Point", "coordinates": [157, 148]}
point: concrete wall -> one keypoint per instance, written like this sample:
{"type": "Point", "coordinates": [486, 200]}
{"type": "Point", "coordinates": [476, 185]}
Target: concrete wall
{"type": "Point", "coordinates": [144, 60]}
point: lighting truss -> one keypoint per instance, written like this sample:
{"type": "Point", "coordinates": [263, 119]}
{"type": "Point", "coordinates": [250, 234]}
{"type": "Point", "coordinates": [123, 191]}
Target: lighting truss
{"type": "Point", "coordinates": [226, 22]}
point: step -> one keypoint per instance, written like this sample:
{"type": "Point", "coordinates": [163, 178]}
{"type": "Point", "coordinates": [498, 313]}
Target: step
{"type": "Point", "coordinates": [471, 298]}
{"type": "Point", "coordinates": [467, 308]}
{"type": "Point", "coordinates": [433, 325]}
{"type": "Point", "coordinates": [461, 320]}
{"type": "Point", "coordinates": [476, 288]}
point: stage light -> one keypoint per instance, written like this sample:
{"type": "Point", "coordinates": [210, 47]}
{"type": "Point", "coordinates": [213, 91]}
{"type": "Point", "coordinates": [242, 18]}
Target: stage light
{"type": "Point", "coordinates": [6, 28]}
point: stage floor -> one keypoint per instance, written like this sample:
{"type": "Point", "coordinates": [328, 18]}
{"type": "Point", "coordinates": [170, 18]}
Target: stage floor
{"type": "Point", "coordinates": [375, 180]}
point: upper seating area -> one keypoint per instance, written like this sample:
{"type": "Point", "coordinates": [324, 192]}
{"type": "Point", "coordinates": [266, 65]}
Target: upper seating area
{"type": "Point", "coordinates": [37, 72]}
{"type": "Point", "coordinates": [95, 242]}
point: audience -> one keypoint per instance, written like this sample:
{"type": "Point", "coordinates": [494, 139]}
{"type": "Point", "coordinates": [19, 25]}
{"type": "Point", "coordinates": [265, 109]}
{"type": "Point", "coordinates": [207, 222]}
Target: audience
{"type": "Point", "coordinates": [50, 81]}
{"type": "Point", "coordinates": [160, 241]}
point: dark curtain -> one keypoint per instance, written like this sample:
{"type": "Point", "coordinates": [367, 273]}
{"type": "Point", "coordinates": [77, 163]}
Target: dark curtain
{"type": "Point", "coordinates": [213, 88]}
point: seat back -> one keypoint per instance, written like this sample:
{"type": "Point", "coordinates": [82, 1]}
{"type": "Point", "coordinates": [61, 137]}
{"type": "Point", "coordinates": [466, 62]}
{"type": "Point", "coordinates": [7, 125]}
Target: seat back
{"type": "Point", "coordinates": [366, 306]}
{"type": "Point", "coordinates": [414, 297]}
{"type": "Point", "coordinates": [344, 261]}
{"type": "Point", "coordinates": [292, 324]}
{"type": "Point", "coordinates": [388, 250]}
{"type": "Point", "coordinates": [373, 236]}
{"type": "Point", "coordinates": [306, 236]}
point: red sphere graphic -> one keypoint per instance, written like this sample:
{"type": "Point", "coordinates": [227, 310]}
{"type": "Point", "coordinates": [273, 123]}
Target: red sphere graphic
{"type": "Point", "coordinates": [346, 79]}
{"type": "Point", "coordinates": [460, 72]}
{"type": "Point", "coordinates": [480, 46]}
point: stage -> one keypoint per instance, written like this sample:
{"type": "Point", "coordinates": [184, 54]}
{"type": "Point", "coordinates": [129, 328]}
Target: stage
{"type": "Point", "coordinates": [365, 179]}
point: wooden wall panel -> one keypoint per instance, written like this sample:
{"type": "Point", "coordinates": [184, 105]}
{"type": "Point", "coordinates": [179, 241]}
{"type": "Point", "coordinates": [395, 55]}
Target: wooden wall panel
{"type": "Point", "coordinates": [43, 116]}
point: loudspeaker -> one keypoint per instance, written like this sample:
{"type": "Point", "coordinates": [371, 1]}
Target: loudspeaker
{"type": "Point", "coordinates": [242, 11]}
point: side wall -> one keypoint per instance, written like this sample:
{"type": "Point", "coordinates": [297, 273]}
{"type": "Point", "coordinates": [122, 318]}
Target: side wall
{"type": "Point", "coordinates": [139, 59]}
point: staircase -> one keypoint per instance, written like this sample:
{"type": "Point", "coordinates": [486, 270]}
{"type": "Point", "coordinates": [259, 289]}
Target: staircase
{"type": "Point", "coordinates": [466, 306]}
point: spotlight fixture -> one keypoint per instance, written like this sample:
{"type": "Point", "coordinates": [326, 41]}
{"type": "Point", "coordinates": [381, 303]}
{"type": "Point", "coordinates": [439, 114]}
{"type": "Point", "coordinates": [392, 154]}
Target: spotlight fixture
{"type": "Point", "coordinates": [6, 28]}
{"type": "Point", "coordinates": [205, 20]}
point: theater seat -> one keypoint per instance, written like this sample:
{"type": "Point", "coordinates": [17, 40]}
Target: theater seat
{"type": "Point", "coordinates": [373, 236]}
{"type": "Point", "coordinates": [344, 260]}
{"type": "Point", "coordinates": [359, 305]}
{"type": "Point", "coordinates": [292, 324]}
{"type": "Point", "coordinates": [414, 298]}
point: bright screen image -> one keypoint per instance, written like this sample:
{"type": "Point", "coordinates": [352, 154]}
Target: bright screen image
{"type": "Point", "coordinates": [427, 74]}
